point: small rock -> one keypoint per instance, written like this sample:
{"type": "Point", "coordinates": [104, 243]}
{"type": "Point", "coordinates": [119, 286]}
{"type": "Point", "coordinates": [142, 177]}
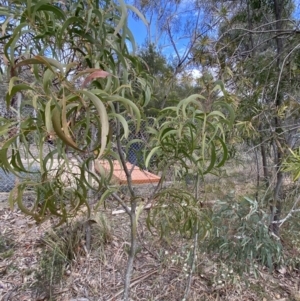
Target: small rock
{"type": "Point", "coordinates": [282, 270]}
{"type": "Point", "coordinates": [21, 223]}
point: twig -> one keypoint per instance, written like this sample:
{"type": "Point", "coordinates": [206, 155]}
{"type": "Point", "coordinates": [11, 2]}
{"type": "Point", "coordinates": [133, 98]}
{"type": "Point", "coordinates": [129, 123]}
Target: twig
{"type": "Point", "coordinates": [147, 206]}
{"type": "Point", "coordinates": [133, 283]}
{"type": "Point", "coordinates": [19, 101]}
{"type": "Point", "coordinates": [120, 152]}
{"type": "Point", "coordinates": [120, 201]}
{"type": "Point", "coordinates": [293, 210]}
{"type": "Point", "coordinates": [281, 70]}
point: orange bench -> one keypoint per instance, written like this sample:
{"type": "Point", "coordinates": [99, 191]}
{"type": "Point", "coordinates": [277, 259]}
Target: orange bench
{"type": "Point", "coordinates": [138, 176]}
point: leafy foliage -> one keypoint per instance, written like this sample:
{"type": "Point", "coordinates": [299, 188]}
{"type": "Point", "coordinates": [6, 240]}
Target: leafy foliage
{"type": "Point", "coordinates": [292, 164]}
{"type": "Point", "coordinates": [240, 236]}
{"type": "Point", "coordinates": [72, 45]}
{"type": "Point", "coordinates": [181, 215]}
{"type": "Point", "coordinates": [191, 142]}
{"type": "Point", "coordinates": [49, 274]}
{"type": "Point", "coordinates": [190, 137]}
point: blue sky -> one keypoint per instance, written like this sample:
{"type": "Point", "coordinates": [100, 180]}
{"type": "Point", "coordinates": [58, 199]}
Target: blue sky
{"type": "Point", "coordinates": [180, 15]}
{"type": "Point", "coordinates": [139, 30]}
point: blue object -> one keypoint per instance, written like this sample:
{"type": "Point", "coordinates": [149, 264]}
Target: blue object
{"type": "Point", "coordinates": [135, 155]}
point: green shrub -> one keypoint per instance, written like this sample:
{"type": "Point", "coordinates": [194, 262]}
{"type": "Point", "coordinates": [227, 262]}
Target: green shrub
{"type": "Point", "coordinates": [49, 273]}
{"type": "Point", "coordinates": [6, 247]}
{"type": "Point", "coordinates": [62, 245]}
{"type": "Point", "coordinates": [240, 236]}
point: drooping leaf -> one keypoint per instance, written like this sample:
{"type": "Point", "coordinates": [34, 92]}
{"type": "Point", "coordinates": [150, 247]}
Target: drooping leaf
{"type": "Point", "coordinates": [103, 118]}
{"type": "Point", "coordinates": [57, 126]}
{"type": "Point", "coordinates": [94, 75]}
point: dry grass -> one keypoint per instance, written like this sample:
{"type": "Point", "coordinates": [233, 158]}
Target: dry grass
{"type": "Point", "coordinates": [160, 269]}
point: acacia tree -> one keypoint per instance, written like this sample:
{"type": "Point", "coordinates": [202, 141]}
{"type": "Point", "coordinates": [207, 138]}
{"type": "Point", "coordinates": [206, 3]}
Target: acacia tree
{"type": "Point", "coordinates": [254, 49]}
{"type": "Point", "coordinates": [70, 63]}
{"type": "Point", "coordinates": [256, 55]}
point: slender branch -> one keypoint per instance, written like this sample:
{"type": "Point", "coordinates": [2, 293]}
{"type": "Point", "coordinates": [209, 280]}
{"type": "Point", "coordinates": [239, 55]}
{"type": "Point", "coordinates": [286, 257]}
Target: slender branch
{"type": "Point", "coordinates": [255, 30]}
{"type": "Point", "coordinates": [19, 101]}
{"type": "Point", "coordinates": [131, 212]}
{"type": "Point", "coordinates": [134, 282]}
{"type": "Point", "coordinates": [281, 69]}
{"type": "Point", "coordinates": [120, 201]}
{"type": "Point", "coordinates": [195, 244]}
{"type": "Point", "coordinates": [173, 43]}
{"type": "Point", "coordinates": [133, 245]}
{"type": "Point", "coordinates": [121, 155]}
{"type": "Point", "coordinates": [91, 169]}
{"type": "Point", "coordinates": [116, 197]}
{"type": "Point", "coordinates": [257, 173]}
{"type": "Point", "coordinates": [247, 52]}
{"type": "Point", "coordinates": [293, 210]}
{"type": "Point", "coordinates": [282, 31]}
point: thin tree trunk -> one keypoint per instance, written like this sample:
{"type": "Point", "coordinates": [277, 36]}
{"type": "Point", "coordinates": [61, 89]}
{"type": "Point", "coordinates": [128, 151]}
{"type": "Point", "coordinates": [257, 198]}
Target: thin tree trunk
{"type": "Point", "coordinates": [131, 213]}
{"type": "Point", "coordinates": [132, 251]}
{"type": "Point", "coordinates": [250, 27]}
{"type": "Point", "coordinates": [257, 173]}
{"type": "Point", "coordinates": [91, 169]}
{"type": "Point", "coordinates": [263, 154]}
{"type": "Point", "coordinates": [276, 207]}
{"type": "Point", "coordinates": [264, 162]}
{"type": "Point", "coordinates": [262, 144]}
{"type": "Point", "coordinates": [194, 252]}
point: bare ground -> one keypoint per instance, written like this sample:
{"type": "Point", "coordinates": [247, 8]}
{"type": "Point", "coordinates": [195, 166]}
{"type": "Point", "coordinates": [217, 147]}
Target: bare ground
{"type": "Point", "coordinates": [159, 270]}
{"type": "Point", "coordinates": [27, 267]}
